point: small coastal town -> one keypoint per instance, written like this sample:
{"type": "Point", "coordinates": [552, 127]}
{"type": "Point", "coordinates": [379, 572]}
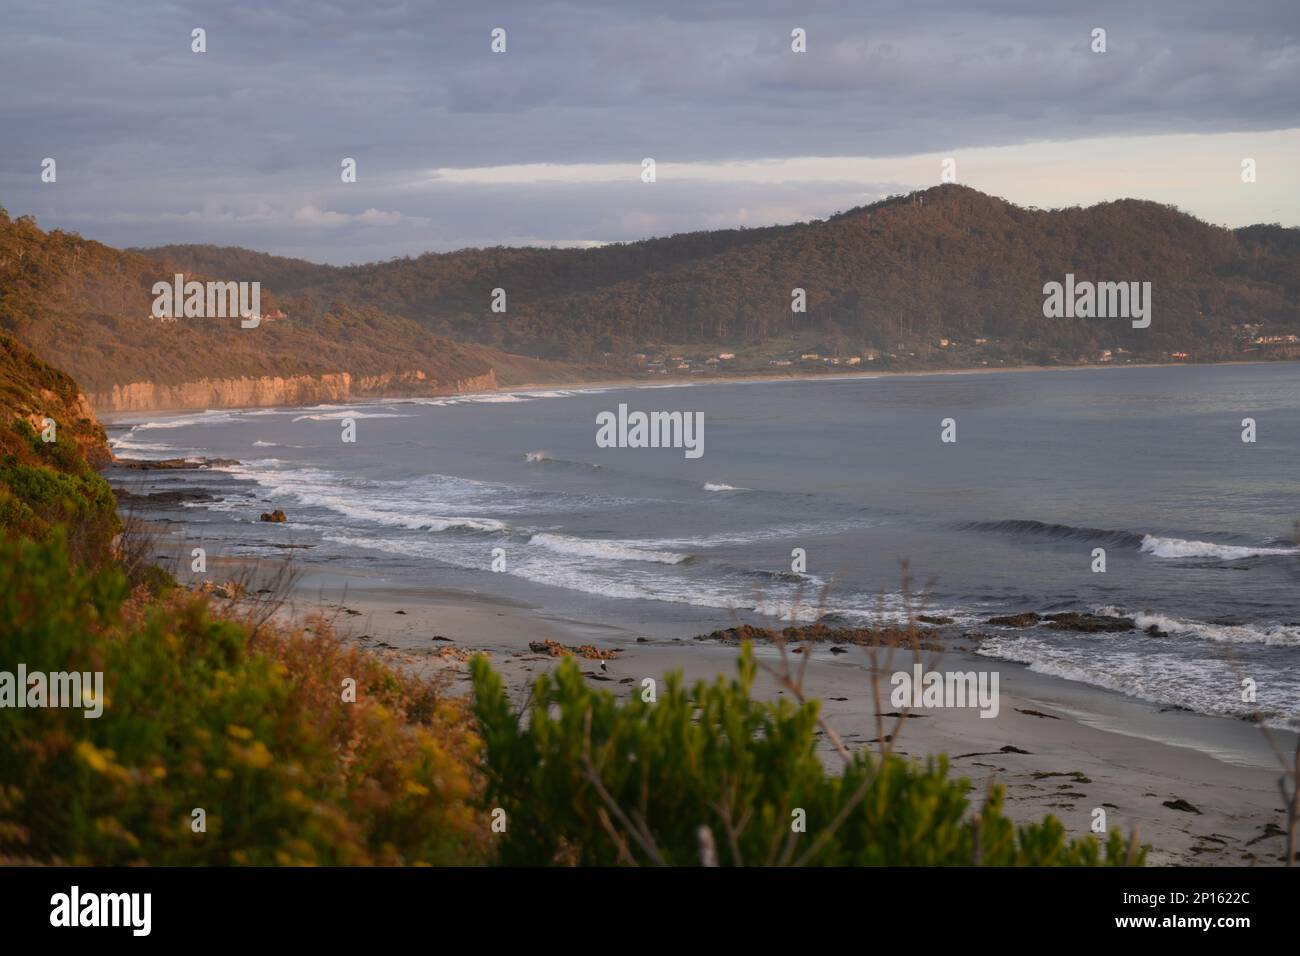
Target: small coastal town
{"type": "Point", "coordinates": [1250, 342]}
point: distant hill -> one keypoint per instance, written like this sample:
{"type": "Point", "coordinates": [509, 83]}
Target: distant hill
{"type": "Point", "coordinates": [949, 262]}
{"type": "Point", "coordinates": [85, 307]}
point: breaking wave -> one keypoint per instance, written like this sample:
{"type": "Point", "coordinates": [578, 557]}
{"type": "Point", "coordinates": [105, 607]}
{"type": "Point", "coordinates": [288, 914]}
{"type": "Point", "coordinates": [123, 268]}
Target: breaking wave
{"type": "Point", "coordinates": [1181, 548]}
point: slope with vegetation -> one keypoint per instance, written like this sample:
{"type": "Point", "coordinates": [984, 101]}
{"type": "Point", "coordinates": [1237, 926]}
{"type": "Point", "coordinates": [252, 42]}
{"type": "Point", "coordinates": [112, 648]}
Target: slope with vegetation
{"type": "Point", "coordinates": [87, 307]}
{"type": "Point", "coordinates": [46, 485]}
{"type": "Point", "coordinates": [948, 262]}
{"type": "Point", "coordinates": [204, 710]}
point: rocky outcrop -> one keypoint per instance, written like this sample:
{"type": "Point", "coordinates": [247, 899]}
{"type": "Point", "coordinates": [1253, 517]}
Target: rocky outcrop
{"type": "Point", "coordinates": [1027, 619]}
{"type": "Point", "coordinates": [1089, 623]}
{"type": "Point", "coordinates": [890, 635]}
{"type": "Point", "coordinates": [1067, 621]}
{"type": "Point", "coordinates": [173, 464]}
{"type": "Point", "coordinates": [279, 390]}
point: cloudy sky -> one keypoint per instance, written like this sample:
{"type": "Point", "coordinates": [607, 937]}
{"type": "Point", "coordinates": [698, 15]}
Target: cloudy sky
{"type": "Point", "coordinates": [543, 144]}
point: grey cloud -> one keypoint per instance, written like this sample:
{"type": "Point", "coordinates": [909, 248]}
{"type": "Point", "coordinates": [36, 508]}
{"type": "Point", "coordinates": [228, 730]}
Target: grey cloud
{"type": "Point", "coordinates": [145, 130]}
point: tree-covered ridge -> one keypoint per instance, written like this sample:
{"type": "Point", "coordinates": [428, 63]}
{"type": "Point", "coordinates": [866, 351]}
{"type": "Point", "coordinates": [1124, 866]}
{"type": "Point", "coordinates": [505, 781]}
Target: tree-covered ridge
{"type": "Point", "coordinates": [87, 308]}
{"type": "Point", "coordinates": [948, 262]}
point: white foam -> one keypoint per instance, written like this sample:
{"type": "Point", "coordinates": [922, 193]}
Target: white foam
{"type": "Point", "coordinates": [383, 503]}
{"type": "Point", "coordinates": [1160, 677]}
{"type": "Point", "coordinates": [209, 417]}
{"type": "Point", "coordinates": [729, 538]}
{"type": "Point", "coordinates": [718, 486]}
{"type": "Point", "coordinates": [1181, 548]}
{"type": "Point", "coordinates": [348, 413]}
{"type": "Point", "coordinates": [1270, 634]}
{"type": "Point", "coordinates": [605, 550]}
{"type": "Point", "coordinates": [126, 443]}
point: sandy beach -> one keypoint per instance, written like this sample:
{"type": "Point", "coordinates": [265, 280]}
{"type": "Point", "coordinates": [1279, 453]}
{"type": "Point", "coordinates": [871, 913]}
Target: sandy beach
{"type": "Point", "coordinates": [706, 378]}
{"type": "Point", "coordinates": [1198, 790]}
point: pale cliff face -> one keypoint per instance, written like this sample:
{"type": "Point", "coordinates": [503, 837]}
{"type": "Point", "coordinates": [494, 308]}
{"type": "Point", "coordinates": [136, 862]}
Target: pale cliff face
{"type": "Point", "coordinates": [277, 390]}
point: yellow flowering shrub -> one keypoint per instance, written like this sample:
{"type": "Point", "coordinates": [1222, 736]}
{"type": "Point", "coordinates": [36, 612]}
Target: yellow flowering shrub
{"type": "Point", "coordinates": [217, 745]}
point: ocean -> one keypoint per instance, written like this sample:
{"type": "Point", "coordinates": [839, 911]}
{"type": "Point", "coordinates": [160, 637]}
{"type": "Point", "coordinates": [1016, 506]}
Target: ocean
{"type": "Point", "coordinates": [1148, 464]}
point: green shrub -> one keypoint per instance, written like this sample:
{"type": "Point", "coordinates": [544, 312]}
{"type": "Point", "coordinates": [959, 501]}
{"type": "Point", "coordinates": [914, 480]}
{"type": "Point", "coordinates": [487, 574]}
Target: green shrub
{"type": "Point", "coordinates": [47, 484]}
{"type": "Point", "coordinates": [201, 713]}
{"type": "Point", "coordinates": [717, 758]}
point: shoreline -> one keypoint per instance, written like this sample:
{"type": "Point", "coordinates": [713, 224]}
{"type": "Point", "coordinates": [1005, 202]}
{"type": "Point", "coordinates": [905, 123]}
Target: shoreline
{"type": "Point", "coordinates": [866, 373]}
{"type": "Point", "coordinates": [1059, 747]}
{"type": "Point", "coordinates": [1198, 788]}
{"type": "Point", "coordinates": [581, 385]}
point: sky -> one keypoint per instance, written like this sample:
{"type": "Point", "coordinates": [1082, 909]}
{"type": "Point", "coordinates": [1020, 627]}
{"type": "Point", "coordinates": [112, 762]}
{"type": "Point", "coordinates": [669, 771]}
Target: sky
{"type": "Point", "coordinates": [457, 145]}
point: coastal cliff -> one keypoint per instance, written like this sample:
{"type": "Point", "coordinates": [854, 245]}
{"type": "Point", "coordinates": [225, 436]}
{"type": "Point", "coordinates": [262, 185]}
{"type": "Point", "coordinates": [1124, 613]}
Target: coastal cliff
{"type": "Point", "coordinates": [248, 392]}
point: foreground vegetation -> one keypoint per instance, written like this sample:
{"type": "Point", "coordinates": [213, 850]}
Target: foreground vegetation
{"type": "Point", "coordinates": [247, 727]}
{"type": "Point", "coordinates": [712, 775]}
{"type": "Point", "coordinates": [247, 723]}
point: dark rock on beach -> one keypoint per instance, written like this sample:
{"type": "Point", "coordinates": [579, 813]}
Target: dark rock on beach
{"type": "Point", "coordinates": [893, 635]}
{"type": "Point", "coordinates": [172, 464]}
{"type": "Point", "coordinates": [1036, 713]}
{"type": "Point", "coordinates": [1089, 623]}
{"type": "Point", "coordinates": [556, 649]}
{"type": "Point", "coordinates": [1028, 619]}
{"type": "Point", "coordinates": [164, 497]}
{"type": "Point", "coordinates": [1066, 621]}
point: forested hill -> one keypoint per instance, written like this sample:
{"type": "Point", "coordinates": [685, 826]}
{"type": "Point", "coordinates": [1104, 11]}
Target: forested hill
{"type": "Point", "coordinates": [86, 307]}
{"type": "Point", "coordinates": [949, 262]}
